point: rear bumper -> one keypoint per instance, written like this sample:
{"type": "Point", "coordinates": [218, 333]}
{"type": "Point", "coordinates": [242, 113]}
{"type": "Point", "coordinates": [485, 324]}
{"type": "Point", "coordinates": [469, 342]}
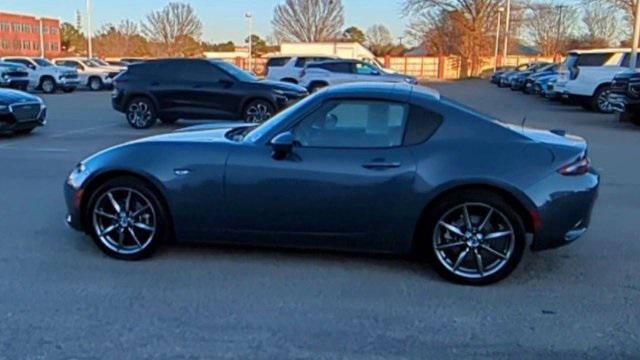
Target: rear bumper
{"type": "Point", "coordinates": [15, 83]}
{"type": "Point", "coordinates": [565, 213]}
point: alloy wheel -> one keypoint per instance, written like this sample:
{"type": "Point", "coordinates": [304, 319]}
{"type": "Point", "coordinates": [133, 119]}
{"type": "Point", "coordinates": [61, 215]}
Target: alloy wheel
{"type": "Point", "coordinates": [47, 86]}
{"type": "Point", "coordinates": [124, 220]}
{"type": "Point", "coordinates": [474, 240]}
{"type": "Point", "coordinates": [139, 114]}
{"type": "Point", "coordinates": [95, 84]}
{"type": "Point", "coordinates": [603, 101]}
{"type": "Point", "coordinates": [257, 113]}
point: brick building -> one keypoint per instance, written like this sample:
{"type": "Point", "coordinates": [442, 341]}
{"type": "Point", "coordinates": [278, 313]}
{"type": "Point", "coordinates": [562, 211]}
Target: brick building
{"type": "Point", "coordinates": [28, 35]}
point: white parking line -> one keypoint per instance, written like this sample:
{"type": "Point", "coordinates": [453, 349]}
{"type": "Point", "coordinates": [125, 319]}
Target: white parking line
{"type": "Point", "coordinates": [44, 149]}
{"type": "Point", "coordinates": [80, 131]}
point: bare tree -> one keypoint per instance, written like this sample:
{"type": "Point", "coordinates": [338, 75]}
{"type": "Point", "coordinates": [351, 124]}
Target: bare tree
{"type": "Point", "coordinates": [171, 26]}
{"type": "Point", "coordinates": [602, 22]}
{"type": "Point", "coordinates": [121, 40]}
{"type": "Point", "coordinates": [549, 26]}
{"type": "Point", "coordinates": [468, 25]}
{"type": "Point", "coordinates": [308, 20]}
{"type": "Point", "coordinates": [379, 39]}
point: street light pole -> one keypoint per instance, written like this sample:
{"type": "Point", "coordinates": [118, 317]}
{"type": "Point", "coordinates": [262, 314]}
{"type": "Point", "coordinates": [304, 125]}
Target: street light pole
{"type": "Point", "coordinates": [495, 60]}
{"type": "Point", "coordinates": [636, 34]}
{"type": "Point", "coordinates": [249, 16]}
{"type": "Point", "coordinates": [505, 50]}
{"type": "Point", "coordinates": [89, 39]}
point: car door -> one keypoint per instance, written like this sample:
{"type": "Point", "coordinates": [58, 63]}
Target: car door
{"type": "Point", "coordinates": [343, 185]}
{"type": "Point", "coordinates": [208, 91]}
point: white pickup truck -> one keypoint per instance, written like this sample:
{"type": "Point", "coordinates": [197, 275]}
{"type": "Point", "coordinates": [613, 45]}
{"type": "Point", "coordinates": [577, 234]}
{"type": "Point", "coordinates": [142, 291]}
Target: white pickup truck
{"type": "Point", "coordinates": [45, 76]}
{"type": "Point", "coordinates": [586, 75]}
{"type": "Point", "coordinates": [91, 74]}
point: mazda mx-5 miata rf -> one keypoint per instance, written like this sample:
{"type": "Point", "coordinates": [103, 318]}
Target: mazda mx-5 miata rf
{"type": "Point", "coordinates": [367, 167]}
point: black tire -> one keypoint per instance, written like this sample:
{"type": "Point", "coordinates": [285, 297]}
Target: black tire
{"type": "Point", "coordinates": [476, 201]}
{"type": "Point", "coordinates": [168, 120]}
{"type": "Point", "coordinates": [258, 111]}
{"type": "Point", "coordinates": [141, 113]}
{"type": "Point", "coordinates": [95, 83]}
{"type": "Point", "coordinates": [599, 101]}
{"type": "Point", "coordinates": [158, 219]}
{"type": "Point", "coordinates": [47, 85]}
{"type": "Point", "coordinates": [315, 86]}
{"type": "Point", "coordinates": [69, 90]}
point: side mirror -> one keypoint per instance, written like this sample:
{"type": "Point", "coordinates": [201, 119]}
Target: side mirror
{"type": "Point", "coordinates": [282, 143]}
{"type": "Point", "coordinates": [31, 66]}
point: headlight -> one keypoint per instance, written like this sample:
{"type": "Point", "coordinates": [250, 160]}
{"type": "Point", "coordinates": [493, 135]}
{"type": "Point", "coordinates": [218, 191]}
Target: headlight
{"type": "Point", "coordinates": [278, 91]}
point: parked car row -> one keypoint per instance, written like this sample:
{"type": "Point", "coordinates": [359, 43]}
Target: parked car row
{"type": "Point", "coordinates": [64, 74]}
{"type": "Point", "coordinates": [598, 80]}
{"type": "Point", "coordinates": [20, 112]}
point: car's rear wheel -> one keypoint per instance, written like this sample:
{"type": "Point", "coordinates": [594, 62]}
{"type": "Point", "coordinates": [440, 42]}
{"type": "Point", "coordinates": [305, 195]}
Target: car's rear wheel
{"type": "Point", "coordinates": [600, 100]}
{"type": "Point", "coordinates": [258, 111]}
{"type": "Point", "coordinates": [475, 237]}
{"type": "Point", "coordinates": [141, 113]}
{"type": "Point", "coordinates": [126, 219]}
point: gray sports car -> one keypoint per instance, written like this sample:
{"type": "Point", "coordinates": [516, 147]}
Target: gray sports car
{"type": "Point", "coordinates": [367, 167]}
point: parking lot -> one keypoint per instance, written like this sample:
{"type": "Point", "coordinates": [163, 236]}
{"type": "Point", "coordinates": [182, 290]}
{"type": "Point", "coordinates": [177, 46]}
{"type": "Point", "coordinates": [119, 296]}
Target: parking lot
{"type": "Point", "coordinates": [60, 297]}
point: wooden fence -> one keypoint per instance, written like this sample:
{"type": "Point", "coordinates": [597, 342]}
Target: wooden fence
{"type": "Point", "coordinates": [426, 67]}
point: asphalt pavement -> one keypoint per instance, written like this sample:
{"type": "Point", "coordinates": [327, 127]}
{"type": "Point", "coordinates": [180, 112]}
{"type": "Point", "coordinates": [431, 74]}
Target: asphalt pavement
{"type": "Point", "coordinates": [60, 297]}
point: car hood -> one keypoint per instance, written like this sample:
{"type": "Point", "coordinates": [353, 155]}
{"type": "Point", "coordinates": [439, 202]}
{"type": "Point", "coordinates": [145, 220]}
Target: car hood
{"type": "Point", "coordinates": [8, 97]}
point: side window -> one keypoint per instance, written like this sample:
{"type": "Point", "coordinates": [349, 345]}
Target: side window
{"type": "Point", "coordinates": [627, 58]}
{"type": "Point", "coordinates": [354, 124]}
{"type": "Point", "coordinates": [365, 69]}
{"type": "Point", "coordinates": [344, 68]}
{"type": "Point", "coordinates": [278, 61]}
{"type": "Point", "coordinates": [199, 71]}
{"type": "Point", "coordinates": [422, 124]}
{"type": "Point", "coordinates": [593, 59]}
{"type": "Point", "coordinates": [19, 61]}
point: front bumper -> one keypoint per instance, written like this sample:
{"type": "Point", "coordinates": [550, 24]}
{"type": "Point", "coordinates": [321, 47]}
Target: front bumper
{"type": "Point", "coordinates": [565, 212]}
{"type": "Point", "coordinates": [11, 120]}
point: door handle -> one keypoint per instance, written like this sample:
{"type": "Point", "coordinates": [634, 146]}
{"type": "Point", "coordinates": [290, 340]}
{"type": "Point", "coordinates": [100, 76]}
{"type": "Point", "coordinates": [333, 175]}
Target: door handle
{"type": "Point", "coordinates": [381, 165]}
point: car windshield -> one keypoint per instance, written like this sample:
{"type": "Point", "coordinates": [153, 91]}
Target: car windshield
{"type": "Point", "coordinates": [100, 62]}
{"type": "Point", "coordinates": [255, 133]}
{"type": "Point", "coordinates": [235, 71]}
{"type": "Point", "coordinates": [42, 62]}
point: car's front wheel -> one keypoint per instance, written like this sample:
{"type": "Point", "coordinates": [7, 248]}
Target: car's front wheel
{"type": "Point", "coordinates": [95, 84]}
{"type": "Point", "coordinates": [258, 111]}
{"type": "Point", "coordinates": [600, 100]}
{"type": "Point", "coordinates": [126, 219]}
{"type": "Point", "coordinates": [475, 237]}
{"type": "Point", "coordinates": [47, 85]}
{"type": "Point", "coordinates": [141, 113]}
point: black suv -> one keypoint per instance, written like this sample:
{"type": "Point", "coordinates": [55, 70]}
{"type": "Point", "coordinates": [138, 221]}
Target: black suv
{"type": "Point", "coordinates": [625, 95]}
{"type": "Point", "coordinates": [172, 89]}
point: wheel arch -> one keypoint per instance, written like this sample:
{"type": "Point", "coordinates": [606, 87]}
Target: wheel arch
{"type": "Point", "coordinates": [135, 95]}
{"type": "Point", "coordinates": [248, 101]}
{"type": "Point", "coordinates": [603, 84]}
{"type": "Point", "coordinates": [98, 180]}
{"type": "Point", "coordinates": [91, 77]}
{"type": "Point", "coordinates": [522, 205]}
{"type": "Point", "coordinates": [45, 77]}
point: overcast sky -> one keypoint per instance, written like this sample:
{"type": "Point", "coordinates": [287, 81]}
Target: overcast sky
{"type": "Point", "coordinates": [222, 19]}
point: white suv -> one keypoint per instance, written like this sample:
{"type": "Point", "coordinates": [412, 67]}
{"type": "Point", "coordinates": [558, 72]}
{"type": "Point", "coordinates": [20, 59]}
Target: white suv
{"type": "Point", "coordinates": [45, 76]}
{"type": "Point", "coordinates": [92, 75]}
{"type": "Point", "coordinates": [586, 75]}
{"type": "Point", "coordinates": [331, 72]}
{"type": "Point", "coordinates": [290, 68]}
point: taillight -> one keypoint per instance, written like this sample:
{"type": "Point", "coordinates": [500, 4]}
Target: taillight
{"type": "Point", "coordinates": [578, 167]}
